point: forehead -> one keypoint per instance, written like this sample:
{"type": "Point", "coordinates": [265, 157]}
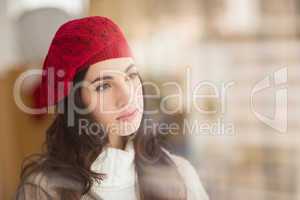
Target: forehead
{"type": "Point", "coordinates": [109, 67]}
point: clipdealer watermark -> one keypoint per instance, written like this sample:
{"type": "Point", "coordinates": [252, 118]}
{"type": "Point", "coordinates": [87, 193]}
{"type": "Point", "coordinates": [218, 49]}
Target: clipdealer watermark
{"type": "Point", "coordinates": [187, 127]}
{"type": "Point", "coordinates": [189, 98]}
{"type": "Point", "coordinates": [191, 127]}
{"type": "Point", "coordinates": [277, 81]}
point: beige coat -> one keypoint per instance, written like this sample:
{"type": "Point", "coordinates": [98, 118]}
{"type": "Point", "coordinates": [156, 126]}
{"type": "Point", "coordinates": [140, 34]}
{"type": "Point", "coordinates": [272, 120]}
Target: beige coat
{"type": "Point", "coordinates": [45, 187]}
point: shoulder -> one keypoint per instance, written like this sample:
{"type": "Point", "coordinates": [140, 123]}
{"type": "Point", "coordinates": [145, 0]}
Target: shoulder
{"type": "Point", "coordinates": [195, 189]}
{"type": "Point", "coordinates": [35, 186]}
{"type": "Point", "coordinates": [41, 185]}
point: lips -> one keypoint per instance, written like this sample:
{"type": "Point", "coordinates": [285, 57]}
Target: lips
{"type": "Point", "coordinates": [127, 115]}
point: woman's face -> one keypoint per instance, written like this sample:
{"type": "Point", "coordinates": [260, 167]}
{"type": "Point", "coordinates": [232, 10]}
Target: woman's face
{"type": "Point", "coordinates": [113, 93]}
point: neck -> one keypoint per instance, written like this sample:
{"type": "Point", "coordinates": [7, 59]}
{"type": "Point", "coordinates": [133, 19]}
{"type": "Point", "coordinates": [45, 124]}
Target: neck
{"type": "Point", "coordinates": [117, 141]}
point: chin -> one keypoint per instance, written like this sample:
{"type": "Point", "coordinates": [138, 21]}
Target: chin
{"type": "Point", "coordinates": [127, 132]}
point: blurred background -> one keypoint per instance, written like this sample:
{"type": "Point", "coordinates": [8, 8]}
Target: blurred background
{"type": "Point", "coordinates": [249, 153]}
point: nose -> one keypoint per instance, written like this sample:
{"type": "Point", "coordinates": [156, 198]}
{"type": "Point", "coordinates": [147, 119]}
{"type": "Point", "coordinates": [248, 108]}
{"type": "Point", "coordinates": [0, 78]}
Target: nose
{"type": "Point", "coordinates": [123, 94]}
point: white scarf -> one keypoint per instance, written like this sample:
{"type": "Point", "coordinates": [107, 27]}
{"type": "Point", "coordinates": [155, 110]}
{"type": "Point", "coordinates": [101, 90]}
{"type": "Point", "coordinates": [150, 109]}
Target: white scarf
{"type": "Point", "coordinates": [118, 165]}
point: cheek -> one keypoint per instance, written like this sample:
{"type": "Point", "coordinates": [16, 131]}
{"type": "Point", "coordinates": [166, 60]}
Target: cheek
{"type": "Point", "coordinates": [139, 99]}
{"type": "Point", "coordinates": [86, 96]}
{"type": "Point", "coordinates": [103, 107]}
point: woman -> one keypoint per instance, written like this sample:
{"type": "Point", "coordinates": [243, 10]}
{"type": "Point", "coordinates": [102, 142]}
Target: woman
{"type": "Point", "coordinates": [97, 147]}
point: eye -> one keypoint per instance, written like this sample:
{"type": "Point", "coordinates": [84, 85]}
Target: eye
{"type": "Point", "coordinates": [103, 87]}
{"type": "Point", "coordinates": [133, 75]}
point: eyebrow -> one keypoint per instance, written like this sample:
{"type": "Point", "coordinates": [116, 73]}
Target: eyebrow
{"type": "Point", "coordinates": [110, 77]}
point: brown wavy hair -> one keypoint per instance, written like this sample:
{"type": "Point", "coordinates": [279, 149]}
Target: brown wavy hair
{"type": "Point", "coordinates": [71, 155]}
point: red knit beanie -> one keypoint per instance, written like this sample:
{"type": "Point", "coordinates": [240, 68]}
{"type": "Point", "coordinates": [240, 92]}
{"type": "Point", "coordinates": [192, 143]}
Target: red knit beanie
{"type": "Point", "coordinates": [76, 45]}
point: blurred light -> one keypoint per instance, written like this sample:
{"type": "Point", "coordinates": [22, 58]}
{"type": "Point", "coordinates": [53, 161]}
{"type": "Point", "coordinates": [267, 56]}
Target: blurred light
{"type": "Point", "coordinates": [240, 17]}
{"type": "Point", "coordinates": [73, 7]}
{"type": "Point", "coordinates": [167, 46]}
